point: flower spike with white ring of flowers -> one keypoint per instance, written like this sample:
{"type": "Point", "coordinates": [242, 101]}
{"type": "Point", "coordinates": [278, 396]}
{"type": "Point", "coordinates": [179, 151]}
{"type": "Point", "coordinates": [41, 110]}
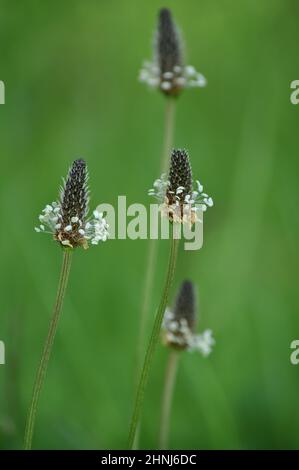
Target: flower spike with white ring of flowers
{"type": "Point", "coordinates": [167, 71]}
{"type": "Point", "coordinates": [179, 200]}
{"type": "Point", "coordinates": [179, 324]}
{"type": "Point", "coordinates": [67, 219]}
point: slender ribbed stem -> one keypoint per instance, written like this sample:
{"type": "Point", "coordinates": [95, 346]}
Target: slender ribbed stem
{"type": "Point", "coordinates": [153, 245]}
{"type": "Point", "coordinates": [153, 342]}
{"type": "Point", "coordinates": [168, 132]}
{"type": "Point", "coordinates": [170, 375]}
{"type": "Point", "coordinates": [148, 285]}
{"type": "Point", "coordinates": [42, 369]}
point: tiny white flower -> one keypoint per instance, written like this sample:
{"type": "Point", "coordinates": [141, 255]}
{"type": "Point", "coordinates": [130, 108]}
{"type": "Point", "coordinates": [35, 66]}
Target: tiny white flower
{"type": "Point", "coordinates": [181, 81]}
{"type": "Point", "coordinates": [199, 187]}
{"type": "Point", "coordinates": [177, 69]}
{"type": "Point", "coordinates": [208, 201]}
{"type": "Point", "coordinates": [153, 82]}
{"type": "Point", "coordinates": [165, 86]}
{"type": "Point", "coordinates": [66, 243]}
{"type": "Point", "coordinates": [168, 75]}
{"type": "Point", "coordinates": [190, 70]}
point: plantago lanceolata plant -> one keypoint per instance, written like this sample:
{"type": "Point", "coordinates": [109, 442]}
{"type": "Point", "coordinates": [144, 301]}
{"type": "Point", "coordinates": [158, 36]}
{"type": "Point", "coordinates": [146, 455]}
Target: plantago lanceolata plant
{"type": "Point", "coordinates": [67, 220]}
{"type": "Point", "coordinates": [179, 185]}
{"type": "Point", "coordinates": [168, 73]}
{"type": "Point", "coordinates": [179, 334]}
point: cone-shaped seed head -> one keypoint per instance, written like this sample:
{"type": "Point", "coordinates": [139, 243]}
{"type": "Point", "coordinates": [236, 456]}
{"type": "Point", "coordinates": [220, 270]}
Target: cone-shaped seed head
{"type": "Point", "coordinates": [185, 304]}
{"type": "Point", "coordinates": [169, 43]}
{"type": "Point", "coordinates": [74, 196]}
{"type": "Point", "coordinates": [180, 176]}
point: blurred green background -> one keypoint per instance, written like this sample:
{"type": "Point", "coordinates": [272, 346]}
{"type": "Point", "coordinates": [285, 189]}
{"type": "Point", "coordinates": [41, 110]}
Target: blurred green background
{"type": "Point", "coordinates": [70, 70]}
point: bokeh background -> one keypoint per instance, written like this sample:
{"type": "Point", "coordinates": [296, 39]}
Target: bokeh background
{"type": "Point", "coordinates": [70, 70]}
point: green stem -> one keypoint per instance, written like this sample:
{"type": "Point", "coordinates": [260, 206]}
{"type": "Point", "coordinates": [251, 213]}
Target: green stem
{"type": "Point", "coordinates": [42, 369]}
{"type": "Point", "coordinates": [153, 246]}
{"type": "Point", "coordinates": [153, 342]}
{"type": "Point", "coordinates": [170, 375]}
{"type": "Point", "coordinates": [148, 285]}
{"type": "Point", "coordinates": [168, 132]}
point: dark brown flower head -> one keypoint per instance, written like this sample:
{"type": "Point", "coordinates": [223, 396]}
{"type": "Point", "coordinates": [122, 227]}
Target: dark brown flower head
{"type": "Point", "coordinates": [74, 206]}
{"type": "Point", "coordinates": [180, 177]}
{"type": "Point", "coordinates": [74, 195]}
{"type": "Point", "coordinates": [179, 324]}
{"type": "Point", "coordinates": [185, 304]}
{"type": "Point", "coordinates": [169, 53]}
{"type": "Point", "coordinates": [169, 43]}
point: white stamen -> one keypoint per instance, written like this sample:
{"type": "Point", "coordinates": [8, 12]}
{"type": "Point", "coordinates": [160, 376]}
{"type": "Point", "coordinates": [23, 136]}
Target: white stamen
{"type": "Point", "coordinates": [177, 68]}
{"type": "Point", "coordinates": [180, 81]}
{"type": "Point", "coordinates": [190, 70]}
{"type": "Point", "coordinates": [168, 75]}
{"type": "Point", "coordinates": [165, 85]}
{"type": "Point", "coordinates": [66, 243]}
{"type": "Point", "coordinates": [199, 187]}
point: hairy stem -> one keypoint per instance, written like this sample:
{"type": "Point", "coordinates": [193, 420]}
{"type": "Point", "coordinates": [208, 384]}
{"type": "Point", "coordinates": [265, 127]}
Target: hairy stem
{"type": "Point", "coordinates": [153, 342]}
{"type": "Point", "coordinates": [42, 369]}
{"type": "Point", "coordinates": [170, 375]}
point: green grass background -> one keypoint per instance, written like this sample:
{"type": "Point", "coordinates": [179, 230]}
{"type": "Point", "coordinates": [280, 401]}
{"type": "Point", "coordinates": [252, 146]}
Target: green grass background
{"type": "Point", "coordinates": [70, 70]}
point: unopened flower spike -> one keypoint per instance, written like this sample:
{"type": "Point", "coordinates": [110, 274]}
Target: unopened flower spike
{"type": "Point", "coordinates": [179, 199]}
{"type": "Point", "coordinates": [67, 219]}
{"type": "Point", "coordinates": [179, 324]}
{"type": "Point", "coordinates": [167, 71]}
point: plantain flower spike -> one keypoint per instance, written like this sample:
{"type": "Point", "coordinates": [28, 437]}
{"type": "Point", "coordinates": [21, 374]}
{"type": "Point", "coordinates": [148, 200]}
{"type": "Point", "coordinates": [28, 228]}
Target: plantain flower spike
{"type": "Point", "coordinates": [179, 325]}
{"type": "Point", "coordinates": [67, 219]}
{"type": "Point", "coordinates": [179, 200]}
{"type": "Point", "coordinates": [167, 71]}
